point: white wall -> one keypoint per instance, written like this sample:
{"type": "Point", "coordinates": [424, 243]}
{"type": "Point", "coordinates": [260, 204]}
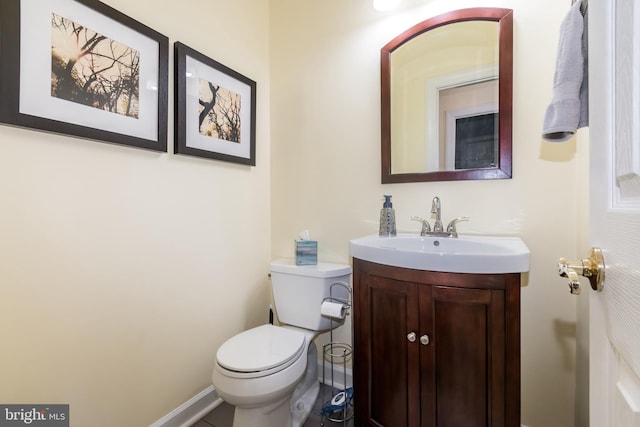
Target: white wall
{"type": "Point", "coordinates": [325, 109]}
{"type": "Point", "coordinates": [123, 270]}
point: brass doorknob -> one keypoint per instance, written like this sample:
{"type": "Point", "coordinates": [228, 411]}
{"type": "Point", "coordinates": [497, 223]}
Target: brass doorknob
{"type": "Point", "coordinates": [591, 268]}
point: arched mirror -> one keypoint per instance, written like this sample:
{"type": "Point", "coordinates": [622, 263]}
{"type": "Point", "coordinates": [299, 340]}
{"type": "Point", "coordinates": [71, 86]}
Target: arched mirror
{"type": "Point", "coordinates": [447, 98]}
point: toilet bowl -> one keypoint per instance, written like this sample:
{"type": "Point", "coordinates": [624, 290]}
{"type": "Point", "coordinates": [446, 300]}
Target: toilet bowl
{"type": "Point", "coordinates": [270, 373]}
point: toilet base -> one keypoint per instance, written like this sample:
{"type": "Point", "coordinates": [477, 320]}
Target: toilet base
{"type": "Point", "coordinates": [306, 392]}
{"type": "Point", "coordinates": [291, 411]}
{"type": "Point", "coordinates": [277, 414]}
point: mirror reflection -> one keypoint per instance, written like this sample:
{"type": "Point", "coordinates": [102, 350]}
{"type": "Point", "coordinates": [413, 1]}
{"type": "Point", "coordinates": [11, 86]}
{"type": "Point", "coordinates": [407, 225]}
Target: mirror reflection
{"type": "Point", "coordinates": [443, 114]}
{"type": "Point", "coordinates": [440, 82]}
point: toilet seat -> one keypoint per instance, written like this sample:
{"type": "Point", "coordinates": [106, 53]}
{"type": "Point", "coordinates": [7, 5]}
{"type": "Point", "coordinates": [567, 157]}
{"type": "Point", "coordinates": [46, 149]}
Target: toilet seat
{"type": "Point", "coordinates": [260, 351]}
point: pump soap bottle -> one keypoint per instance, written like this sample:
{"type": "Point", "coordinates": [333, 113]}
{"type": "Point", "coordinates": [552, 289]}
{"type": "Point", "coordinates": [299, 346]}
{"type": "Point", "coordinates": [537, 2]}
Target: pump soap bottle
{"type": "Point", "coordinates": [387, 218]}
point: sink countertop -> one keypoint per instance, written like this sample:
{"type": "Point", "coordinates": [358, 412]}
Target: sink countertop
{"type": "Point", "coordinates": [463, 254]}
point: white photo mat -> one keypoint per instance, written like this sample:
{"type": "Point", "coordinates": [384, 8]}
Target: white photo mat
{"type": "Point", "coordinates": [229, 132]}
{"type": "Point", "coordinates": [196, 70]}
{"type": "Point", "coordinates": [35, 70]}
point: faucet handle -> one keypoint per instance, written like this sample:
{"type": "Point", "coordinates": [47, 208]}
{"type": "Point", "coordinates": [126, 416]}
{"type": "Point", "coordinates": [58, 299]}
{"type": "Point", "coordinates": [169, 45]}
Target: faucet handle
{"type": "Point", "coordinates": [451, 228]}
{"type": "Point", "coordinates": [425, 225]}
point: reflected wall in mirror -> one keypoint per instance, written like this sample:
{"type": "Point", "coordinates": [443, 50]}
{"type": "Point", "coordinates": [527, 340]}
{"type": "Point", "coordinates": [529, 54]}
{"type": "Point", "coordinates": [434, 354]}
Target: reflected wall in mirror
{"type": "Point", "coordinates": [447, 98]}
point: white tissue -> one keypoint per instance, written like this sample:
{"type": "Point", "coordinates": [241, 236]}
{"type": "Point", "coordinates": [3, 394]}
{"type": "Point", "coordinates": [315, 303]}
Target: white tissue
{"type": "Point", "coordinates": [333, 309]}
{"type": "Point", "coordinates": [304, 235]}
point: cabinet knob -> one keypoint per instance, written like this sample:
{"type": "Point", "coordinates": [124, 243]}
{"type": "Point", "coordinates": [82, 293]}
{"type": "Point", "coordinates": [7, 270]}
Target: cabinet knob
{"type": "Point", "coordinates": [424, 340]}
{"type": "Point", "coordinates": [411, 337]}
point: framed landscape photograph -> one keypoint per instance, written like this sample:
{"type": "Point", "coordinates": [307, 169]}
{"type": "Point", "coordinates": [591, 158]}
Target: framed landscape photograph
{"type": "Point", "coordinates": [82, 68]}
{"type": "Point", "coordinates": [215, 109]}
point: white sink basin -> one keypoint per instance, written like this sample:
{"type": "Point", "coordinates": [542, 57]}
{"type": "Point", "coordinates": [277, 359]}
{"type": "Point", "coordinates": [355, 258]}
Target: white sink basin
{"type": "Point", "coordinates": [464, 254]}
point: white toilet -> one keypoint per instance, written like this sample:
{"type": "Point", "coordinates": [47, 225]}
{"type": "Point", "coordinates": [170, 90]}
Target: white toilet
{"type": "Point", "coordinates": [270, 373]}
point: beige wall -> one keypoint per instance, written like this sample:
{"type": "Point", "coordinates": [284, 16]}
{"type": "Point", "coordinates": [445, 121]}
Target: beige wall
{"type": "Point", "coordinates": [123, 270]}
{"type": "Point", "coordinates": [326, 165]}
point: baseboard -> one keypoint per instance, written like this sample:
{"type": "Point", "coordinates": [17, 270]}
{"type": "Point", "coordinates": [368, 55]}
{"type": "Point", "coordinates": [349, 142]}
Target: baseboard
{"type": "Point", "coordinates": [338, 375]}
{"type": "Point", "coordinates": [192, 410]}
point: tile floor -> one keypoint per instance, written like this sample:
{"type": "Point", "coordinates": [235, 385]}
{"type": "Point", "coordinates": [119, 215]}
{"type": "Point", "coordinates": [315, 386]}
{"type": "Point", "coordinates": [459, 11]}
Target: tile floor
{"type": "Point", "coordinates": [222, 416]}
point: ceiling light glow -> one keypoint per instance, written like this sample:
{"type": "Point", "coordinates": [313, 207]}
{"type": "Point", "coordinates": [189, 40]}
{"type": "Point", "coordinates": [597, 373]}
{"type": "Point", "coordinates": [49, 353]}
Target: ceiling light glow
{"type": "Point", "coordinates": [384, 5]}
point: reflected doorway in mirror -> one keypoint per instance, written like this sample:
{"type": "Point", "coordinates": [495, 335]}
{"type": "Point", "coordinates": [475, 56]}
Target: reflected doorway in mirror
{"type": "Point", "coordinates": [469, 119]}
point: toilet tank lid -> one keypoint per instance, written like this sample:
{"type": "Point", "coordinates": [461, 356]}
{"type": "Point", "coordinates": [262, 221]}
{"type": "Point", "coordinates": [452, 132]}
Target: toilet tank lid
{"type": "Point", "coordinates": [322, 269]}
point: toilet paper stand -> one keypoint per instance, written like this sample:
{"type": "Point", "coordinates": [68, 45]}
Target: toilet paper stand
{"type": "Point", "coordinates": [337, 393]}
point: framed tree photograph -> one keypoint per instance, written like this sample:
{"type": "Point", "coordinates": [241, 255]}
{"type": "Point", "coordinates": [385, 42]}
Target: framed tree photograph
{"type": "Point", "coordinates": [215, 109]}
{"type": "Point", "coordinates": [82, 68]}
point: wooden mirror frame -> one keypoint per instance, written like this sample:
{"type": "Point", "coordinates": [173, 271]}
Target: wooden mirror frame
{"type": "Point", "coordinates": [504, 17]}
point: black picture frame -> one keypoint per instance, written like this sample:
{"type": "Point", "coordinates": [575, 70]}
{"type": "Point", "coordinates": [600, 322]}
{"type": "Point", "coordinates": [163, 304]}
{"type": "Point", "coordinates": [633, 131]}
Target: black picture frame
{"type": "Point", "coordinates": [215, 109]}
{"type": "Point", "coordinates": [131, 111]}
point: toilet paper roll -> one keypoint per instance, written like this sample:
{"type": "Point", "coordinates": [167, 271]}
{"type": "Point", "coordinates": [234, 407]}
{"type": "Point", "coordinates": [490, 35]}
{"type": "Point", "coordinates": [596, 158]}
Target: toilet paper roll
{"type": "Point", "coordinates": [333, 309]}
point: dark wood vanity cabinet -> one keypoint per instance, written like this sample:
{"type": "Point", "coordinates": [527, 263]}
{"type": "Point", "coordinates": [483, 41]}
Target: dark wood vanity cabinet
{"type": "Point", "coordinates": [435, 349]}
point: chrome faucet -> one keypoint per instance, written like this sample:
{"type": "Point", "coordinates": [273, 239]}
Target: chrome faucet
{"type": "Point", "coordinates": [438, 228]}
{"type": "Point", "coordinates": [435, 210]}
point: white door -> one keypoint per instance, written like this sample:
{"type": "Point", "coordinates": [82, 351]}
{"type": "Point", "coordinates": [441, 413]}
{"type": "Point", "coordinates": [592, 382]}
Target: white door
{"type": "Point", "coordinates": [614, 129]}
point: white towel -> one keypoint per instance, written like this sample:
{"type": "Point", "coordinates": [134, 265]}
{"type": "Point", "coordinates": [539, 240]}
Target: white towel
{"type": "Point", "coordinates": [569, 108]}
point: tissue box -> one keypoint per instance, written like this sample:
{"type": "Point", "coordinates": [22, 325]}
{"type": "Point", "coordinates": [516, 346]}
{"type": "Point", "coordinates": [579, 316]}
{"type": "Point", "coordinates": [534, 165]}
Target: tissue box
{"type": "Point", "coordinates": [306, 252]}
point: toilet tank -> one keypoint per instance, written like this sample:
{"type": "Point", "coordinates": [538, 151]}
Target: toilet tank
{"type": "Point", "coordinates": [299, 290]}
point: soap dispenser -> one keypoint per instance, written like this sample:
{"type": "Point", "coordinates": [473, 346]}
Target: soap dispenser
{"type": "Point", "coordinates": [387, 218]}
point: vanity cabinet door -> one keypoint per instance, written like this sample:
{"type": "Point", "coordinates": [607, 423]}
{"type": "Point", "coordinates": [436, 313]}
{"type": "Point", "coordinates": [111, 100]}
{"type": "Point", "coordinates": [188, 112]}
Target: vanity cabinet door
{"type": "Point", "coordinates": [464, 368]}
{"type": "Point", "coordinates": [435, 349]}
{"type": "Point", "coordinates": [387, 371]}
